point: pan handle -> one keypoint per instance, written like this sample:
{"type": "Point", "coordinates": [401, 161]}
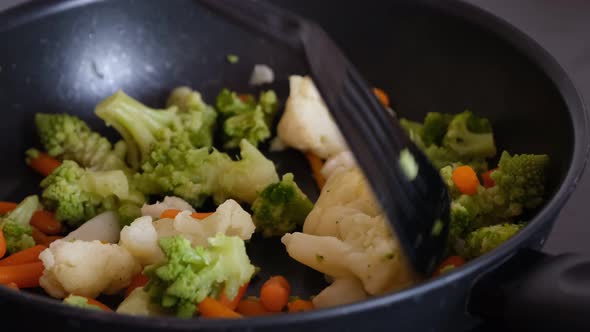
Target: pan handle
{"type": "Point", "coordinates": [534, 291]}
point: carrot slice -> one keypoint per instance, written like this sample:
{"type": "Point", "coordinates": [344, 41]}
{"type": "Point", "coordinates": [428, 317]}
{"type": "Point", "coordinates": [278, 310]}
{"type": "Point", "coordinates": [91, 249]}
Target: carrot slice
{"type": "Point", "coordinates": [2, 244]}
{"type": "Point", "coordinates": [466, 180]}
{"type": "Point", "coordinates": [44, 164]}
{"type": "Point", "coordinates": [41, 238]}
{"type": "Point", "coordinates": [6, 207]}
{"type": "Point", "coordinates": [23, 275]}
{"type": "Point", "coordinates": [449, 263]}
{"type": "Point", "coordinates": [29, 255]}
{"type": "Point", "coordinates": [382, 96]}
{"type": "Point", "coordinates": [274, 294]}
{"type": "Point", "coordinates": [252, 307]}
{"type": "Point", "coordinates": [232, 304]}
{"type": "Point", "coordinates": [212, 308]}
{"type": "Point", "coordinates": [97, 303]}
{"type": "Point", "coordinates": [316, 164]}
{"type": "Point", "coordinates": [172, 213]}
{"type": "Point", "coordinates": [45, 221]}
{"type": "Point", "coordinates": [299, 305]}
{"type": "Point", "coordinates": [139, 280]}
{"type": "Point", "coordinates": [488, 182]}
{"type": "Point", "coordinates": [12, 285]}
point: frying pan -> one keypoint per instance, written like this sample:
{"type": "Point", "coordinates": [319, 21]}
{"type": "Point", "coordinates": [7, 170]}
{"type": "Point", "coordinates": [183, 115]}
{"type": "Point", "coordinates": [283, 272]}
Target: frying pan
{"type": "Point", "coordinates": [445, 56]}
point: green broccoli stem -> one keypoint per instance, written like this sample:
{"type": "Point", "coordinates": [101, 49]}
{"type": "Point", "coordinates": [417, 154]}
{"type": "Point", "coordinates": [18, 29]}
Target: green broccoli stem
{"type": "Point", "coordinates": [136, 123]}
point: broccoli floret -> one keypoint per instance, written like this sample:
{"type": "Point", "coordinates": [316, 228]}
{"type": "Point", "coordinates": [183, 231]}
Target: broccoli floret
{"type": "Point", "coordinates": [180, 170]}
{"type": "Point", "coordinates": [191, 274]}
{"type": "Point", "coordinates": [187, 101]}
{"type": "Point", "coordinates": [435, 127]}
{"type": "Point", "coordinates": [246, 118]}
{"type": "Point", "coordinates": [67, 137]}
{"type": "Point", "coordinates": [280, 207]}
{"type": "Point", "coordinates": [15, 225]}
{"type": "Point", "coordinates": [80, 302]}
{"type": "Point", "coordinates": [77, 194]}
{"type": "Point", "coordinates": [470, 136]}
{"type": "Point", "coordinates": [521, 178]}
{"type": "Point", "coordinates": [439, 155]}
{"type": "Point", "coordinates": [142, 127]}
{"type": "Point", "coordinates": [488, 238]}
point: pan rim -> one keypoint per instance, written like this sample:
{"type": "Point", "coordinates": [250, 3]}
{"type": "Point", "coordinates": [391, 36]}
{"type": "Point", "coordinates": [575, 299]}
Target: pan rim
{"type": "Point", "coordinates": [493, 24]}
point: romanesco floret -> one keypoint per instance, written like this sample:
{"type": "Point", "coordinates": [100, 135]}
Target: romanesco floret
{"type": "Point", "coordinates": [522, 178]}
{"type": "Point", "coordinates": [142, 127]}
{"type": "Point", "coordinates": [487, 238]}
{"type": "Point", "coordinates": [191, 274]}
{"type": "Point", "coordinates": [187, 101]}
{"type": "Point", "coordinates": [67, 137]}
{"type": "Point", "coordinates": [76, 194]}
{"type": "Point", "coordinates": [246, 118]}
{"type": "Point", "coordinates": [15, 225]}
{"type": "Point", "coordinates": [281, 207]}
{"type": "Point", "coordinates": [195, 174]}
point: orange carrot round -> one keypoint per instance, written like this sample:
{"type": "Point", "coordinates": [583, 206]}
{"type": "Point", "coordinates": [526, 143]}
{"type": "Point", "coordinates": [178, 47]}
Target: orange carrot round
{"type": "Point", "coordinates": [98, 304]}
{"type": "Point", "coordinates": [232, 304]}
{"type": "Point", "coordinates": [139, 280]}
{"type": "Point", "coordinates": [316, 164]}
{"type": "Point", "coordinates": [45, 221]}
{"type": "Point", "coordinates": [12, 285]}
{"type": "Point", "coordinates": [23, 275]}
{"type": "Point", "coordinates": [44, 164]}
{"type": "Point", "coordinates": [212, 308]}
{"type": "Point", "coordinates": [466, 180]}
{"type": "Point", "coordinates": [252, 307]}
{"type": "Point", "coordinates": [300, 305]}
{"type": "Point", "coordinates": [2, 244]}
{"type": "Point", "coordinates": [6, 207]}
{"type": "Point", "coordinates": [449, 263]}
{"type": "Point", "coordinates": [488, 182]}
{"type": "Point", "coordinates": [172, 213]}
{"type": "Point", "coordinates": [382, 96]}
{"type": "Point", "coordinates": [274, 294]}
{"type": "Point", "coordinates": [29, 255]}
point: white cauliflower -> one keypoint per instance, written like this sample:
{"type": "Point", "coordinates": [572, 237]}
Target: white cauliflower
{"type": "Point", "coordinates": [170, 202]}
{"type": "Point", "coordinates": [141, 237]}
{"type": "Point", "coordinates": [342, 291]}
{"type": "Point", "coordinates": [347, 235]}
{"type": "Point", "coordinates": [342, 160]}
{"type": "Point", "coordinates": [138, 303]}
{"type": "Point", "coordinates": [307, 124]}
{"type": "Point", "coordinates": [86, 268]}
{"type": "Point", "coordinates": [141, 240]}
{"type": "Point", "coordinates": [104, 227]}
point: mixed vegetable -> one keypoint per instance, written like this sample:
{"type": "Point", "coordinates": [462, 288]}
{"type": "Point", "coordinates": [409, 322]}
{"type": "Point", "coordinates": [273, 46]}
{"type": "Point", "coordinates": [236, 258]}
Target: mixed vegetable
{"type": "Point", "coordinates": [162, 216]}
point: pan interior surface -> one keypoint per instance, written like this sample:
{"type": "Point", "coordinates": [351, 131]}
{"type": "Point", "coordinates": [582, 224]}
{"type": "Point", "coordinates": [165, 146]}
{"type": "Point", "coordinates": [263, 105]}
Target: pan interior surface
{"type": "Point", "coordinates": [70, 60]}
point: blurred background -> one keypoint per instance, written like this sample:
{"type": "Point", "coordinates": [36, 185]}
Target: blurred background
{"type": "Point", "coordinates": [562, 28]}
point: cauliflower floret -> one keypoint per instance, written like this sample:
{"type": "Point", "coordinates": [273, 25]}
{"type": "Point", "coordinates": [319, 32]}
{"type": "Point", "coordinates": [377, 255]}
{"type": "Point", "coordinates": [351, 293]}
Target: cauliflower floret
{"type": "Point", "coordinates": [347, 235]}
{"type": "Point", "coordinates": [138, 303]}
{"type": "Point", "coordinates": [307, 124]}
{"type": "Point", "coordinates": [86, 268]}
{"type": "Point", "coordinates": [229, 219]}
{"type": "Point", "coordinates": [141, 240]}
{"type": "Point", "coordinates": [341, 291]}
{"type": "Point", "coordinates": [342, 161]}
{"type": "Point", "coordinates": [141, 237]}
{"type": "Point", "coordinates": [345, 193]}
{"type": "Point", "coordinates": [170, 202]}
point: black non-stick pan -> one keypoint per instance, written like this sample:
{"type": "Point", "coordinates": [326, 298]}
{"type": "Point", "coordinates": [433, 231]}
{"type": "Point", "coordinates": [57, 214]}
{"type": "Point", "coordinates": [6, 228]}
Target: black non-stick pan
{"type": "Point", "coordinates": [446, 56]}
